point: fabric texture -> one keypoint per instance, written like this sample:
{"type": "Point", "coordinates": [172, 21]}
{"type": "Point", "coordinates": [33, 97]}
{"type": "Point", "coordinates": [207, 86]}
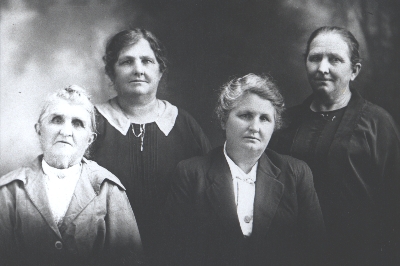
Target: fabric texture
{"type": "Point", "coordinates": [201, 214]}
{"type": "Point", "coordinates": [146, 174]}
{"type": "Point", "coordinates": [358, 183]}
{"type": "Point", "coordinates": [99, 227]}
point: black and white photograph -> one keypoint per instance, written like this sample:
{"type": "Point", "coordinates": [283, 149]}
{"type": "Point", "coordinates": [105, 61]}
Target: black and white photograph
{"type": "Point", "coordinates": [200, 132]}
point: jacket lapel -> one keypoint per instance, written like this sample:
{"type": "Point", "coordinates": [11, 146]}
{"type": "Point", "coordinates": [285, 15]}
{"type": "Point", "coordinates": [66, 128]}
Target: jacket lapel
{"type": "Point", "coordinates": [268, 195]}
{"type": "Point", "coordinates": [35, 188]}
{"type": "Point", "coordinates": [83, 195]}
{"type": "Point", "coordinates": [220, 192]}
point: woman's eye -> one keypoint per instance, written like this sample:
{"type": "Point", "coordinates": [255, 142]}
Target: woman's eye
{"type": "Point", "coordinates": [265, 119]}
{"type": "Point", "coordinates": [126, 62]}
{"type": "Point", "coordinates": [147, 61]}
{"type": "Point", "coordinates": [336, 60]}
{"type": "Point", "coordinates": [57, 120]}
{"type": "Point", "coordinates": [77, 123]}
{"type": "Point", "coordinates": [314, 58]}
{"type": "Point", "coordinates": [245, 116]}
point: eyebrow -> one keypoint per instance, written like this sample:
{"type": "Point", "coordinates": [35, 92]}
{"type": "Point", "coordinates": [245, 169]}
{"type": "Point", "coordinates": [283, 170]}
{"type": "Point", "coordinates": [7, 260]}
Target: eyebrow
{"type": "Point", "coordinates": [320, 53]}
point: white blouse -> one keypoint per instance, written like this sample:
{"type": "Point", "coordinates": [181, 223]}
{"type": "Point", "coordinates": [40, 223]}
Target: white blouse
{"type": "Point", "coordinates": [244, 188]}
{"type": "Point", "coordinates": [60, 186]}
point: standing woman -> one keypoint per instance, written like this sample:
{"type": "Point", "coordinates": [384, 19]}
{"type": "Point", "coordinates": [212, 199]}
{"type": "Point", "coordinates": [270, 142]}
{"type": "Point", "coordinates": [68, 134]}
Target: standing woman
{"type": "Point", "coordinates": [238, 205]}
{"type": "Point", "coordinates": [353, 149]}
{"type": "Point", "coordinates": [141, 138]}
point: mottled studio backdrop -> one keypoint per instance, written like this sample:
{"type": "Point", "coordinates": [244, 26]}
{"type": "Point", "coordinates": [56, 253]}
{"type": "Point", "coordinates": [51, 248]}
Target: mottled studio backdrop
{"type": "Point", "coordinates": [46, 45]}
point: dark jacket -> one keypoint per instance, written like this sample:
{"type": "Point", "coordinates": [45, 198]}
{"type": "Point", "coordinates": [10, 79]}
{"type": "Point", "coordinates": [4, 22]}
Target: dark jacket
{"type": "Point", "coordinates": [99, 226]}
{"type": "Point", "coordinates": [361, 202]}
{"type": "Point", "coordinates": [202, 215]}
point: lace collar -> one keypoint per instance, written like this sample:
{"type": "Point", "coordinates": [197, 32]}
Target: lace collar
{"type": "Point", "coordinates": [115, 116]}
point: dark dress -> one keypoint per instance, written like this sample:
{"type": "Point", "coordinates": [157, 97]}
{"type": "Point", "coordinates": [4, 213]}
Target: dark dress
{"type": "Point", "coordinates": [355, 160]}
{"type": "Point", "coordinates": [201, 214]}
{"type": "Point", "coordinates": [146, 173]}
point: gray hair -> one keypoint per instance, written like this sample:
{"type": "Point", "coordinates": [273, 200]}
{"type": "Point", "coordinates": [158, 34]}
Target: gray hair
{"type": "Point", "coordinates": [72, 94]}
{"type": "Point", "coordinates": [261, 85]}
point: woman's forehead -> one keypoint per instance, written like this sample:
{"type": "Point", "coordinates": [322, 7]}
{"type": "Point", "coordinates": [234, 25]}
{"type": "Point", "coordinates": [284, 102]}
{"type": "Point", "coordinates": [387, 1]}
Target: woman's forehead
{"type": "Point", "coordinates": [329, 42]}
{"type": "Point", "coordinates": [67, 109]}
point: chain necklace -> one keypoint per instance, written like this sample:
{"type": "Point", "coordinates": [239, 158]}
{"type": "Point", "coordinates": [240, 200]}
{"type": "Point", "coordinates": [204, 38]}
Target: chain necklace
{"type": "Point", "coordinates": [142, 128]}
{"type": "Point", "coordinates": [327, 117]}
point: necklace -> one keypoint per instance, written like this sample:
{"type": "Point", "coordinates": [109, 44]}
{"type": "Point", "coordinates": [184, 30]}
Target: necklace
{"type": "Point", "coordinates": [142, 128]}
{"type": "Point", "coordinates": [327, 117]}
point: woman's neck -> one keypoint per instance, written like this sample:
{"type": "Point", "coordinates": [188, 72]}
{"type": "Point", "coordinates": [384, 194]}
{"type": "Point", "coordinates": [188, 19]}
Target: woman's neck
{"type": "Point", "coordinates": [324, 104]}
{"type": "Point", "coordinates": [138, 110]}
{"type": "Point", "coordinates": [244, 160]}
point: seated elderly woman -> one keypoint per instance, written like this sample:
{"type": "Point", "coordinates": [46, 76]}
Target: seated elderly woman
{"type": "Point", "coordinates": [63, 208]}
{"type": "Point", "coordinates": [238, 205]}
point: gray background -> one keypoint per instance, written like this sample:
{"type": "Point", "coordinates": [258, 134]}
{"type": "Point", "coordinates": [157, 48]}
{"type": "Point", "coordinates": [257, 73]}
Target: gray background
{"type": "Point", "coordinates": [46, 45]}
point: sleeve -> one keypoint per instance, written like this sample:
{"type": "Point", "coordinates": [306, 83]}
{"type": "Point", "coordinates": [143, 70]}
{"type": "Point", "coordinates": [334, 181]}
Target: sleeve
{"type": "Point", "coordinates": [123, 239]}
{"type": "Point", "coordinates": [8, 248]}
{"type": "Point", "coordinates": [384, 142]}
{"type": "Point", "coordinates": [179, 219]}
{"type": "Point", "coordinates": [311, 228]}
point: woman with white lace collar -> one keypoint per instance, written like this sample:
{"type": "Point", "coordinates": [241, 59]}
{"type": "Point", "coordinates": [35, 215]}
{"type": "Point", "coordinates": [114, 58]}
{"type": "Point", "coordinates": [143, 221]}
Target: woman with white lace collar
{"type": "Point", "coordinates": [141, 138]}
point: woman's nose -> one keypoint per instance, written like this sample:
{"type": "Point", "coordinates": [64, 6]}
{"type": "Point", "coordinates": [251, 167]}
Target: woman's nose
{"type": "Point", "coordinates": [323, 66]}
{"type": "Point", "coordinates": [254, 125]}
{"type": "Point", "coordinates": [138, 68]}
{"type": "Point", "coordinates": [66, 129]}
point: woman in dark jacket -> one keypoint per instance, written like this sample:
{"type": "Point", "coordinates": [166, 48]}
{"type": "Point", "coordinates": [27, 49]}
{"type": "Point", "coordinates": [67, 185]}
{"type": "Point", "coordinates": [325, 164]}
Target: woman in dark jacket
{"type": "Point", "coordinates": [141, 138]}
{"type": "Point", "coordinates": [238, 205]}
{"type": "Point", "coordinates": [353, 149]}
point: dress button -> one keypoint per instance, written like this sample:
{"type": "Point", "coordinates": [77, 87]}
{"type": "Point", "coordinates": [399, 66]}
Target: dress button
{"type": "Point", "coordinates": [247, 219]}
{"type": "Point", "coordinates": [58, 245]}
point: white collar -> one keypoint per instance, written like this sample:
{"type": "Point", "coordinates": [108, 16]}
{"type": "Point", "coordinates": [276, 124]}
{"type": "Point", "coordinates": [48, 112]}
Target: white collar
{"type": "Point", "coordinates": [236, 171]}
{"type": "Point", "coordinates": [61, 173]}
{"type": "Point", "coordinates": [116, 117]}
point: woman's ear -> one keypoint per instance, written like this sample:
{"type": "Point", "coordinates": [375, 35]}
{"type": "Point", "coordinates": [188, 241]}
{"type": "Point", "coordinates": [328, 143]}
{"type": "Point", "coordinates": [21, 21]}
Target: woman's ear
{"type": "Point", "coordinates": [223, 125]}
{"type": "Point", "coordinates": [37, 128]}
{"type": "Point", "coordinates": [92, 138]}
{"type": "Point", "coordinates": [356, 71]}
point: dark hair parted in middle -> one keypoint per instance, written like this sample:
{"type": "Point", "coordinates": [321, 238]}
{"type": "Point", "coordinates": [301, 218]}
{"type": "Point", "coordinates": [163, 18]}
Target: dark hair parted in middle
{"type": "Point", "coordinates": [126, 38]}
{"type": "Point", "coordinates": [347, 36]}
{"type": "Point", "coordinates": [261, 85]}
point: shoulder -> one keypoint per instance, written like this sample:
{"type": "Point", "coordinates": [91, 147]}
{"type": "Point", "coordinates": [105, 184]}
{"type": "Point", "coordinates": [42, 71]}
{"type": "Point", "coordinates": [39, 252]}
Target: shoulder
{"type": "Point", "coordinates": [374, 112]}
{"type": "Point", "coordinates": [185, 118]}
{"type": "Point", "coordinates": [15, 175]}
{"type": "Point", "coordinates": [21, 174]}
{"type": "Point", "coordinates": [377, 121]}
{"type": "Point", "coordinates": [200, 164]}
{"type": "Point", "coordinates": [288, 163]}
{"type": "Point", "coordinates": [197, 163]}
{"type": "Point", "coordinates": [99, 175]}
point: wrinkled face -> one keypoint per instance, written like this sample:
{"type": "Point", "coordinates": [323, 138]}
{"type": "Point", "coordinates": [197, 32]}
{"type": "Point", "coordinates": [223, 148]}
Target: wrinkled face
{"type": "Point", "coordinates": [64, 133]}
{"type": "Point", "coordinates": [328, 65]}
{"type": "Point", "coordinates": [249, 125]}
{"type": "Point", "coordinates": [137, 71]}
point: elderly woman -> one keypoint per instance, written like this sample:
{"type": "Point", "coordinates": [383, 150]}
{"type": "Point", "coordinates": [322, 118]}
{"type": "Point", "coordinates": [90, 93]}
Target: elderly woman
{"type": "Point", "coordinates": [238, 205]}
{"type": "Point", "coordinates": [62, 208]}
{"type": "Point", "coordinates": [141, 138]}
{"type": "Point", "coordinates": [353, 149]}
